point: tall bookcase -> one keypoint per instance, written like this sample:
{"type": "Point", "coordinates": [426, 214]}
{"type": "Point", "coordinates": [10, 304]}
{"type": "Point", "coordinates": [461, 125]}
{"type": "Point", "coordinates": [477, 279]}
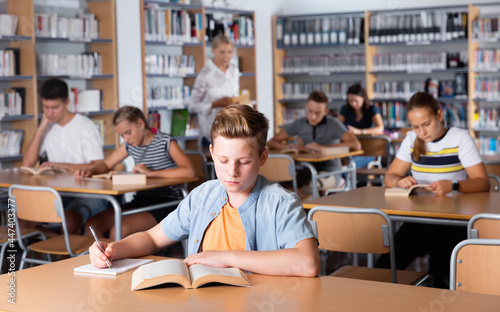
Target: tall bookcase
{"type": "Point", "coordinates": [386, 84]}
{"type": "Point", "coordinates": [313, 59]}
{"type": "Point", "coordinates": [199, 49]}
{"type": "Point", "coordinates": [30, 45]}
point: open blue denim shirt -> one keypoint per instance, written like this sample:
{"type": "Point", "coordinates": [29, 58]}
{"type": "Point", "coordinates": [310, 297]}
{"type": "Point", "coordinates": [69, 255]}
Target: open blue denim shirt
{"type": "Point", "coordinates": [273, 218]}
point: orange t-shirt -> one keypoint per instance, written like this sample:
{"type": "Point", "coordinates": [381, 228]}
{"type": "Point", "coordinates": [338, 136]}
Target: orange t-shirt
{"type": "Point", "coordinates": [225, 232]}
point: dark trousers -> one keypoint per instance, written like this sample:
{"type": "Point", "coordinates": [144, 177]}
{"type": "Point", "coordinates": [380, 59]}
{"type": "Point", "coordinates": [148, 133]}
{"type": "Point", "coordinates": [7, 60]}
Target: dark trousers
{"type": "Point", "coordinates": [414, 240]}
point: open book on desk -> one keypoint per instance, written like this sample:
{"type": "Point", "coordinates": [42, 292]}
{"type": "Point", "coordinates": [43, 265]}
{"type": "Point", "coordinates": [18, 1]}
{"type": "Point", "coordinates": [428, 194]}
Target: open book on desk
{"type": "Point", "coordinates": [42, 170]}
{"type": "Point", "coordinates": [123, 178]}
{"type": "Point", "coordinates": [401, 191]}
{"type": "Point", "coordinates": [177, 272]}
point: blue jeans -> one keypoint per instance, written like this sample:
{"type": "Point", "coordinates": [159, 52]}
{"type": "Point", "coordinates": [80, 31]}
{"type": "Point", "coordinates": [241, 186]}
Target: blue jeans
{"type": "Point", "coordinates": [362, 161]}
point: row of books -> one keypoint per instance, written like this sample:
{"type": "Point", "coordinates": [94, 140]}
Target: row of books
{"type": "Point", "coordinates": [10, 142]}
{"type": "Point", "coordinates": [183, 123]}
{"type": "Point", "coordinates": [84, 27]}
{"type": "Point", "coordinates": [486, 118]}
{"type": "Point", "coordinates": [455, 114]}
{"type": "Point", "coordinates": [323, 63]}
{"type": "Point", "coordinates": [414, 62]}
{"type": "Point", "coordinates": [397, 89]}
{"type": "Point", "coordinates": [420, 26]}
{"type": "Point", "coordinates": [173, 65]}
{"type": "Point", "coordinates": [487, 59]}
{"type": "Point", "coordinates": [172, 26]}
{"type": "Point", "coordinates": [12, 102]}
{"type": "Point", "coordinates": [456, 88]}
{"type": "Point", "coordinates": [75, 65]}
{"type": "Point", "coordinates": [394, 114]}
{"type": "Point", "coordinates": [10, 62]}
{"type": "Point", "coordinates": [168, 96]}
{"type": "Point", "coordinates": [8, 24]}
{"type": "Point", "coordinates": [320, 31]}
{"type": "Point", "coordinates": [292, 114]}
{"type": "Point", "coordinates": [487, 88]}
{"type": "Point", "coordinates": [83, 101]}
{"type": "Point", "coordinates": [301, 90]}
{"type": "Point", "coordinates": [489, 146]}
{"type": "Point", "coordinates": [485, 28]}
{"type": "Point", "coordinates": [240, 29]}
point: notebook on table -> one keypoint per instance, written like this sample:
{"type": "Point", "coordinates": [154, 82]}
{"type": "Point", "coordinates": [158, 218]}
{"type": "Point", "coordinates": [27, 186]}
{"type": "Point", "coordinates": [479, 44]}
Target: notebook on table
{"type": "Point", "coordinates": [118, 267]}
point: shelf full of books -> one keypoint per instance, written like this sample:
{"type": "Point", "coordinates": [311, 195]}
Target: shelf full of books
{"type": "Point", "coordinates": [484, 77]}
{"type": "Point", "coordinates": [418, 26]}
{"type": "Point", "coordinates": [75, 44]}
{"type": "Point", "coordinates": [176, 43]}
{"type": "Point", "coordinates": [319, 30]}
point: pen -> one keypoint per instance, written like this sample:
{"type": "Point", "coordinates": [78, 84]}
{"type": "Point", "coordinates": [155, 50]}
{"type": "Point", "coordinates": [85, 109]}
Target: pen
{"type": "Point", "coordinates": [99, 245]}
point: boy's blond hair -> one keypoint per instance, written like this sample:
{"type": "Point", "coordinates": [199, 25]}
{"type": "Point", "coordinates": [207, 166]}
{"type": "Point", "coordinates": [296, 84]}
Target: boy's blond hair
{"type": "Point", "coordinates": [241, 121]}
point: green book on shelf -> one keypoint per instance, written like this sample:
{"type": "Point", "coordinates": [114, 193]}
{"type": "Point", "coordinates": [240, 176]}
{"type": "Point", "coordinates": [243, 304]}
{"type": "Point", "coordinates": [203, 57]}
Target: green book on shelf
{"type": "Point", "coordinates": [179, 121]}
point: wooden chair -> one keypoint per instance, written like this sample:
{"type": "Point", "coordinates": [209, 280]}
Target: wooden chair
{"type": "Point", "coordinates": [44, 204]}
{"type": "Point", "coordinates": [474, 266]}
{"type": "Point", "coordinates": [6, 239]}
{"type": "Point", "coordinates": [484, 226]}
{"type": "Point", "coordinates": [380, 147]}
{"type": "Point", "coordinates": [280, 168]}
{"type": "Point", "coordinates": [360, 231]}
{"type": "Point", "coordinates": [494, 183]}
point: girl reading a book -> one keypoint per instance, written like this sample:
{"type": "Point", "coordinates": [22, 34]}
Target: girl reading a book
{"type": "Point", "coordinates": [443, 158]}
{"type": "Point", "coordinates": [156, 155]}
{"type": "Point", "coordinates": [361, 118]}
{"type": "Point", "coordinates": [215, 86]}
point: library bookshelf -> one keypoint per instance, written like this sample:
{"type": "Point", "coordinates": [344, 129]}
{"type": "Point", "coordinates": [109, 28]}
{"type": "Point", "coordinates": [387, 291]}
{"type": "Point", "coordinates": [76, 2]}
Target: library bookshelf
{"type": "Point", "coordinates": [31, 44]}
{"type": "Point", "coordinates": [197, 46]}
{"type": "Point", "coordinates": [454, 36]}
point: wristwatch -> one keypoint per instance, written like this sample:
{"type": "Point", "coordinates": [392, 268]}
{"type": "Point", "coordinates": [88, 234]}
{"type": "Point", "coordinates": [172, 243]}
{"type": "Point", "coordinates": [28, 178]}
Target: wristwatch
{"type": "Point", "coordinates": [454, 186]}
{"type": "Point", "coordinates": [363, 131]}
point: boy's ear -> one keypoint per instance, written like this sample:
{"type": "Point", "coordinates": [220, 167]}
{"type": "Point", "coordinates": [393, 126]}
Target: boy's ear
{"type": "Point", "coordinates": [263, 157]}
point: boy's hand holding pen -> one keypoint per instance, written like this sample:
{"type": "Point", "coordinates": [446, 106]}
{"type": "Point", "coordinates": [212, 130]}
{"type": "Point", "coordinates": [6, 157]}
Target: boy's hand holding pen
{"type": "Point", "coordinates": [97, 252]}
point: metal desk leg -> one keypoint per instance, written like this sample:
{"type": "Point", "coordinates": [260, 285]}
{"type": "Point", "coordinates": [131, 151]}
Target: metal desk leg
{"type": "Point", "coordinates": [314, 178]}
{"type": "Point", "coordinates": [112, 200]}
{"type": "Point", "coordinates": [352, 166]}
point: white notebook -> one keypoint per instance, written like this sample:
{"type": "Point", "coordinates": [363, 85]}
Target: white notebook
{"type": "Point", "coordinates": [117, 267]}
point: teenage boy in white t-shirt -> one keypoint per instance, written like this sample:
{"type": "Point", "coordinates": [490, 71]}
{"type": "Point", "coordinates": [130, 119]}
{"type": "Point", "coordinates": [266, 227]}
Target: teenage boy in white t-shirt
{"type": "Point", "coordinates": [70, 141]}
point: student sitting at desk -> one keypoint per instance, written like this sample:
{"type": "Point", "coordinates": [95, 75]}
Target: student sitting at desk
{"type": "Point", "coordinates": [69, 141]}
{"type": "Point", "coordinates": [317, 130]}
{"type": "Point", "coordinates": [156, 155]}
{"type": "Point", "coordinates": [361, 118]}
{"type": "Point", "coordinates": [442, 158]}
{"type": "Point", "coordinates": [239, 220]}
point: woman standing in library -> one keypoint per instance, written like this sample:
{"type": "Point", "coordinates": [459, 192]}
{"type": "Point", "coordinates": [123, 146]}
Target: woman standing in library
{"type": "Point", "coordinates": [361, 118]}
{"type": "Point", "coordinates": [215, 86]}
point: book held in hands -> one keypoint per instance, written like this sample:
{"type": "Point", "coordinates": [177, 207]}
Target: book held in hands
{"type": "Point", "coordinates": [177, 272]}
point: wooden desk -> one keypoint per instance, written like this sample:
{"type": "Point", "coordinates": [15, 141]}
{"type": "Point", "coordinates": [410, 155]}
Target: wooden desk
{"type": "Point", "coordinates": [68, 185]}
{"type": "Point", "coordinates": [424, 208]}
{"type": "Point", "coordinates": [55, 287]}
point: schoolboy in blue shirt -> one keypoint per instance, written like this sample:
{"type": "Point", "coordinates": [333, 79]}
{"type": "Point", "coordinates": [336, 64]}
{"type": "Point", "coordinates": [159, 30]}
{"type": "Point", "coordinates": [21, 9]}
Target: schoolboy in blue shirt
{"type": "Point", "coordinates": [240, 220]}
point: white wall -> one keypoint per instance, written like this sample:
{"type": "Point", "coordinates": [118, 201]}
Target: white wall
{"type": "Point", "coordinates": [128, 30]}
